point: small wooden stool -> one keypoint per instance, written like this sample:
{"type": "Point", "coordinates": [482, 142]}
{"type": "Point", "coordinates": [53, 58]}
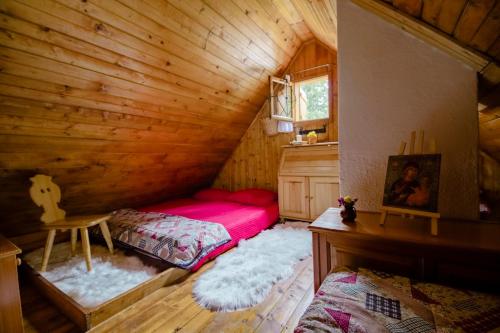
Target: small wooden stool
{"type": "Point", "coordinates": [47, 194]}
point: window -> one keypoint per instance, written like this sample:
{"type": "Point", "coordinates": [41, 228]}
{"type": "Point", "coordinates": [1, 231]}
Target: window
{"type": "Point", "coordinates": [311, 99]}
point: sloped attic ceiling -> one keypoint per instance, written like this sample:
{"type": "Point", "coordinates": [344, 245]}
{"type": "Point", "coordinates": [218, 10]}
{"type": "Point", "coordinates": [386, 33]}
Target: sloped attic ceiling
{"type": "Point", "coordinates": [127, 102]}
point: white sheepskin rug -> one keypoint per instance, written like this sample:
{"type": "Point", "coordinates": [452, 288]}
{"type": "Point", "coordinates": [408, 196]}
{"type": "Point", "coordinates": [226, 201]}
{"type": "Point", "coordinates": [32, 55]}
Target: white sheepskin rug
{"type": "Point", "coordinates": [111, 275]}
{"type": "Point", "coordinates": [244, 277]}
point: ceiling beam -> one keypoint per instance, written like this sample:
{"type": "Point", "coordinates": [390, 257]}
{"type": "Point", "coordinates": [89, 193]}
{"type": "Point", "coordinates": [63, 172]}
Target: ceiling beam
{"type": "Point", "coordinates": [480, 62]}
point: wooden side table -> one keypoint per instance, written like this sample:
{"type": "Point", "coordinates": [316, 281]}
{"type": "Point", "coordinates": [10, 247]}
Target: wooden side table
{"type": "Point", "coordinates": [11, 318]}
{"type": "Point", "coordinates": [464, 254]}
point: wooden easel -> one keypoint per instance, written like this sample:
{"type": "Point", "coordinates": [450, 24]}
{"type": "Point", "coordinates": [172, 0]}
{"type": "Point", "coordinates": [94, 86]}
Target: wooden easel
{"type": "Point", "coordinates": [412, 212]}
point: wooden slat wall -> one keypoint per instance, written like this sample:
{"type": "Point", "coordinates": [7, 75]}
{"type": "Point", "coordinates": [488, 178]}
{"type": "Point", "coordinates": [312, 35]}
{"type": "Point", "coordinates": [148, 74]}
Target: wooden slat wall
{"type": "Point", "coordinates": [489, 129]}
{"type": "Point", "coordinates": [489, 179]}
{"type": "Point", "coordinates": [128, 102]}
{"type": "Point", "coordinates": [255, 161]}
{"type": "Point", "coordinates": [489, 183]}
{"type": "Point", "coordinates": [321, 18]}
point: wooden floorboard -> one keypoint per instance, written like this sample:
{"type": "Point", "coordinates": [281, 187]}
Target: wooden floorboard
{"type": "Point", "coordinates": [173, 309]}
{"type": "Point", "coordinates": [39, 315]}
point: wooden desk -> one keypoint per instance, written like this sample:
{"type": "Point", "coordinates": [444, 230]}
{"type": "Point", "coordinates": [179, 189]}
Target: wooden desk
{"type": "Point", "coordinates": [11, 319]}
{"type": "Point", "coordinates": [465, 253]}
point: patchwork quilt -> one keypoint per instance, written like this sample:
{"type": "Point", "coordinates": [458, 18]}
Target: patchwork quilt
{"type": "Point", "coordinates": [372, 301]}
{"type": "Point", "coordinates": [179, 240]}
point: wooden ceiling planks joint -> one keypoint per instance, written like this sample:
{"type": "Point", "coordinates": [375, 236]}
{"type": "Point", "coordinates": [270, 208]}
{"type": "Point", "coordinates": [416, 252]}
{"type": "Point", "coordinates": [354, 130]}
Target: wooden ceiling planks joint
{"type": "Point", "coordinates": [321, 18]}
{"type": "Point", "coordinates": [122, 100]}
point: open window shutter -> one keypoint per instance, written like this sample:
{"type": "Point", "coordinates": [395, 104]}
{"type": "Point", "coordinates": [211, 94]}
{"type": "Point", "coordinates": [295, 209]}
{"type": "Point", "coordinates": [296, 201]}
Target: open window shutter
{"type": "Point", "coordinates": [281, 98]}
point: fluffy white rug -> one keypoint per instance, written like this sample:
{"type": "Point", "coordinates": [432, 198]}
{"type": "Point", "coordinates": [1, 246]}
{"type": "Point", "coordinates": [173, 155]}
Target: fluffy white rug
{"type": "Point", "coordinates": [245, 276]}
{"type": "Point", "coordinates": [111, 275]}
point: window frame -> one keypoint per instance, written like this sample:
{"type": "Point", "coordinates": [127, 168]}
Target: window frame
{"type": "Point", "coordinates": [287, 84]}
{"type": "Point", "coordinates": [296, 91]}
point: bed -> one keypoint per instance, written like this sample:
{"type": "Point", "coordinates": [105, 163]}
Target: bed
{"type": "Point", "coordinates": [243, 214]}
{"type": "Point", "coordinates": [239, 215]}
{"type": "Point", "coordinates": [374, 301]}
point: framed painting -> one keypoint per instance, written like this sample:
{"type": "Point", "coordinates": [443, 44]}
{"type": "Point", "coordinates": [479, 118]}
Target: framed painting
{"type": "Point", "coordinates": [412, 182]}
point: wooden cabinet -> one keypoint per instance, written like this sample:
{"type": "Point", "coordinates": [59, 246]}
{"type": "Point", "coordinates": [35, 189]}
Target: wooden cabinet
{"type": "Point", "coordinates": [308, 181]}
{"type": "Point", "coordinates": [11, 319]}
{"type": "Point", "coordinates": [323, 194]}
{"type": "Point", "coordinates": [293, 196]}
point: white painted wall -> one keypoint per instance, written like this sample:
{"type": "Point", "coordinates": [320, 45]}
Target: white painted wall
{"type": "Point", "coordinates": [391, 83]}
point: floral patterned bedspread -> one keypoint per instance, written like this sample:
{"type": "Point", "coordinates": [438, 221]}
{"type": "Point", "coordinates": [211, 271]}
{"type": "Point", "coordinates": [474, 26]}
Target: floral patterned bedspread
{"type": "Point", "coordinates": [372, 301]}
{"type": "Point", "coordinates": [176, 239]}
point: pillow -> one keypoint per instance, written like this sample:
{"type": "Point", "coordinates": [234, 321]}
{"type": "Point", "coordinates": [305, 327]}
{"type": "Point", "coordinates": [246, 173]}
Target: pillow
{"type": "Point", "coordinates": [212, 194]}
{"type": "Point", "coordinates": [253, 197]}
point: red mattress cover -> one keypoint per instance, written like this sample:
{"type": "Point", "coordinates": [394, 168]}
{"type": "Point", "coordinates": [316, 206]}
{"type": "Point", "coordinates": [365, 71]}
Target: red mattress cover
{"type": "Point", "coordinates": [241, 221]}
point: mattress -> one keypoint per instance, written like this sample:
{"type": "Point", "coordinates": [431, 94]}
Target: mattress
{"type": "Point", "coordinates": [240, 221]}
{"type": "Point", "coordinates": [373, 301]}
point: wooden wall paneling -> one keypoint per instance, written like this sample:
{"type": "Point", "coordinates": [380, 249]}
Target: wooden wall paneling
{"type": "Point", "coordinates": [107, 84]}
{"type": "Point", "coordinates": [169, 65]}
{"type": "Point", "coordinates": [489, 127]}
{"type": "Point", "coordinates": [314, 54]}
{"type": "Point", "coordinates": [283, 34]}
{"type": "Point", "coordinates": [494, 49]}
{"type": "Point", "coordinates": [177, 42]}
{"type": "Point", "coordinates": [472, 23]}
{"type": "Point", "coordinates": [258, 65]}
{"type": "Point", "coordinates": [214, 25]}
{"type": "Point", "coordinates": [255, 162]}
{"type": "Point", "coordinates": [86, 29]}
{"type": "Point", "coordinates": [449, 15]}
{"type": "Point", "coordinates": [292, 17]}
{"type": "Point", "coordinates": [256, 151]}
{"type": "Point", "coordinates": [472, 17]}
{"type": "Point", "coordinates": [170, 81]}
{"type": "Point", "coordinates": [89, 17]}
{"type": "Point", "coordinates": [321, 18]}
{"type": "Point", "coordinates": [412, 7]}
{"type": "Point", "coordinates": [488, 31]}
{"type": "Point", "coordinates": [295, 22]}
{"type": "Point", "coordinates": [489, 175]}
{"type": "Point", "coordinates": [237, 17]}
{"type": "Point", "coordinates": [431, 10]}
{"type": "Point", "coordinates": [151, 17]}
{"type": "Point", "coordinates": [57, 112]}
{"type": "Point", "coordinates": [426, 33]}
{"type": "Point", "coordinates": [121, 101]}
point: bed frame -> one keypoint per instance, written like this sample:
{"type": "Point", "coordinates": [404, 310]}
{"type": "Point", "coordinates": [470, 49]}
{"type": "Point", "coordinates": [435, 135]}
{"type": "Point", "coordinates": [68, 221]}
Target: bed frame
{"type": "Point", "coordinates": [86, 318]}
{"type": "Point", "coordinates": [464, 254]}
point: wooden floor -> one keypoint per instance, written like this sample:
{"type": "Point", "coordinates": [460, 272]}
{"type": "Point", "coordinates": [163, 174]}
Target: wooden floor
{"type": "Point", "coordinates": [173, 309]}
{"type": "Point", "coordinates": [40, 315]}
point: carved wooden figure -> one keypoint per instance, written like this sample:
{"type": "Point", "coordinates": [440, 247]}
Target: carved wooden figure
{"type": "Point", "coordinates": [46, 194]}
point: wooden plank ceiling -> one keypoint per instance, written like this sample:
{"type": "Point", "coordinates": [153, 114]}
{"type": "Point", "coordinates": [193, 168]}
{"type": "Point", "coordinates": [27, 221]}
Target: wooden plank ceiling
{"type": "Point", "coordinates": [474, 24]}
{"type": "Point", "coordinates": [129, 102]}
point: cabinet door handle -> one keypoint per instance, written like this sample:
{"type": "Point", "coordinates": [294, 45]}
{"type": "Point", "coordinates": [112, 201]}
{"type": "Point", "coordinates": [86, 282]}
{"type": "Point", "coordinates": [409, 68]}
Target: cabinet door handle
{"type": "Point", "coordinates": [311, 198]}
